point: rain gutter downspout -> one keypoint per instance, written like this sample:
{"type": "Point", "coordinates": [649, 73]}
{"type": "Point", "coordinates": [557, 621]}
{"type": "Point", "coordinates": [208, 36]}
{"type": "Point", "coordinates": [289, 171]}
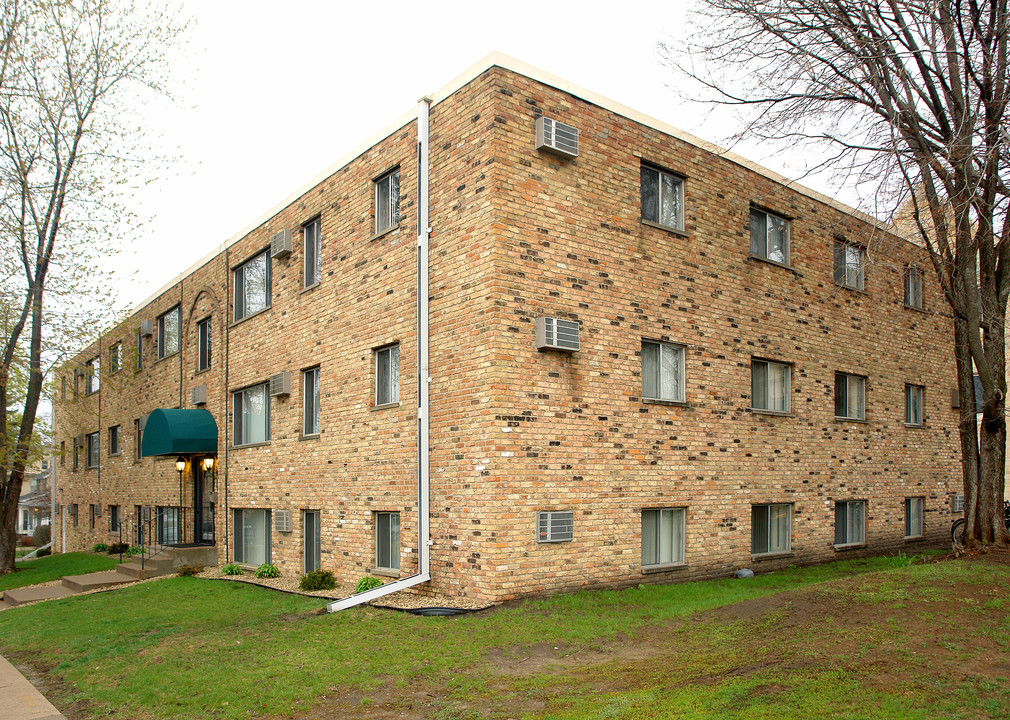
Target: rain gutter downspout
{"type": "Point", "coordinates": [423, 533]}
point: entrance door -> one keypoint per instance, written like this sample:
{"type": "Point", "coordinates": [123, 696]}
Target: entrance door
{"type": "Point", "coordinates": [203, 507]}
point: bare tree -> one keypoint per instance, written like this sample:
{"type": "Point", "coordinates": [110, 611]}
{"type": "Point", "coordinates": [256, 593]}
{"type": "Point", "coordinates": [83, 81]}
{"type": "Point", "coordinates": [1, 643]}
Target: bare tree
{"type": "Point", "coordinates": [70, 71]}
{"type": "Point", "coordinates": [913, 92]}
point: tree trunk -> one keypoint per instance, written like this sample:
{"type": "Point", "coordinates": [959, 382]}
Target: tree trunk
{"type": "Point", "coordinates": [967, 426]}
{"type": "Point", "coordinates": [9, 517]}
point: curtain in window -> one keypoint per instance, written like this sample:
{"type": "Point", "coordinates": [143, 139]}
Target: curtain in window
{"type": "Point", "coordinates": [776, 238]}
{"type": "Point", "coordinates": [254, 286]}
{"type": "Point", "coordinates": [662, 536]}
{"type": "Point", "coordinates": [387, 553]}
{"type": "Point", "coordinates": [778, 528]}
{"type": "Point", "coordinates": [254, 415]}
{"type": "Point", "coordinates": [650, 194]}
{"type": "Point", "coordinates": [251, 534]}
{"type": "Point", "coordinates": [669, 201]}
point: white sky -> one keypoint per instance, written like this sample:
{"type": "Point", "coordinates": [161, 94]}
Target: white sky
{"type": "Point", "coordinates": [273, 93]}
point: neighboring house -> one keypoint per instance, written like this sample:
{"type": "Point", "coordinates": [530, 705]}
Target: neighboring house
{"type": "Point", "coordinates": [34, 504]}
{"type": "Point", "coordinates": [609, 353]}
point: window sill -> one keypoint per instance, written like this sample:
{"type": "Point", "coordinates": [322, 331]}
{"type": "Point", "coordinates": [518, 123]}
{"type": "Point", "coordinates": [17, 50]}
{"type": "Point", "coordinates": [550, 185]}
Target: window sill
{"type": "Point", "coordinates": [313, 436]}
{"type": "Point", "coordinates": [251, 315]}
{"type": "Point", "coordinates": [914, 538]}
{"type": "Point", "coordinates": [861, 421]}
{"type": "Point", "coordinates": [90, 467]}
{"type": "Point", "coordinates": [913, 308]}
{"type": "Point", "coordinates": [850, 546]}
{"type": "Point", "coordinates": [310, 288]}
{"type": "Point", "coordinates": [668, 567]}
{"type": "Point", "coordinates": [860, 291]}
{"type": "Point", "coordinates": [772, 556]}
{"type": "Point", "coordinates": [385, 572]}
{"type": "Point", "coordinates": [92, 392]}
{"type": "Point", "coordinates": [385, 231]}
{"type": "Point", "coordinates": [248, 445]}
{"type": "Point", "coordinates": [916, 426]}
{"type": "Point", "coordinates": [773, 413]}
{"type": "Point", "coordinates": [776, 263]}
{"type": "Point", "coordinates": [386, 406]}
{"type": "Point", "coordinates": [201, 372]}
{"type": "Point", "coordinates": [661, 401]}
{"type": "Point", "coordinates": [675, 231]}
{"type": "Point", "coordinates": [115, 454]}
{"type": "Point", "coordinates": [166, 357]}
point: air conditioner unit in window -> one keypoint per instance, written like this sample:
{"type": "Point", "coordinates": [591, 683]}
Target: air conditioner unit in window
{"type": "Point", "coordinates": [79, 441]}
{"type": "Point", "coordinates": [555, 526]}
{"type": "Point", "coordinates": [282, 521]}
{"type": "Point", "coordinates": [557, 334]}
{"type": "Point", "coordinates": [556, 137]}
{"type": "Point", "coordinates": [281, 244]}
{"type": "Point", "coordinates": [147, 328]}
{"type": "Point", "coordinates": [200, 395]}
{"type": "Point", "coordinates": [280, 384]}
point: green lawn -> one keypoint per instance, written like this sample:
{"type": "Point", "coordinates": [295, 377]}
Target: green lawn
{"type": "Point", "coordinates": [53, 567]}
{"type": "Point", "coordinates": [854, 639]}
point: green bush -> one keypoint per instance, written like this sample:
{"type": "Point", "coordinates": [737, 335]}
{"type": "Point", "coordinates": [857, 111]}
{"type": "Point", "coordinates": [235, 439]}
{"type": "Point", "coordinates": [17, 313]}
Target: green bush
{"type": "Point", "coordinates": [43, 552]}
{"type": "Point", "coordinates": [118, 547]}
{"type": "Point", "coordinates": [41, 535]}
{"type": "Point", "coordinates": [189, 570]}
{"type": "Point", "coordinates": [133, 551]}
{"type": "Point", "coordinates": [99, 547]}
{"type": "Point", "coordinates": [231, 569]}
{"type": "Point", "coordinates": [317, 580]}
{"type": "Point", "coordinates": [367, 583]}
{"type": "Point", "coordinates": [266, 570]}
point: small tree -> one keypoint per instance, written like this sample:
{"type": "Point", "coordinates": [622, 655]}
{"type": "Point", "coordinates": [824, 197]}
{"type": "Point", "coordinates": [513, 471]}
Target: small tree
{"type": "Point", "coordinates": [69, 72]}
{"type": "Point", "coordinates": [912, 94]}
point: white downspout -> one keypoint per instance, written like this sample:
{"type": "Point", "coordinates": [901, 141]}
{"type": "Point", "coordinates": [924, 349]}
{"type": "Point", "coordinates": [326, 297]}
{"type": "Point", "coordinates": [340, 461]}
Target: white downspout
{"type": "Point", "coordinates": [423, 531]}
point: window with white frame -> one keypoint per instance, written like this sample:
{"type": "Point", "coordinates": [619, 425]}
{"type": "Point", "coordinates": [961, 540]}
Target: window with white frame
{"type": "Point", "coordinates": [168, 525]}
{"type": "Point", "coordinates": [850, 261]}
{"type": "Point", "coordinates": [387, 540]}
{"type": "Point", "coordinates": [662, 371]}
{"type": "Point", "coordinates": [662, 536]}
{"type": "Point", "coordinates": [913, 287]}
{"type": "Point", "coordinates": [311, 241]}
{"type": "Point", "coordinates": [850, 522]}
{"type": "Point", "coordinates": [251, 536]}
{"type": "Point", "coordinates": [850, 396]}
{"type": "Point", "coordinates": [662, 198]}
{"type": "Point", "coordinates": [771, 528]}
{"type": "Point", "coordinates": [387, 201]}
{"type": "Point", "coordinates": [168, 332]}
{"type": "Point", "coordinates": [387, 375]}
{"type": "Point", "coordinates": [914, 396]}
{"type": "Point", "coordinates": [770, 385]}
{"type": "Point", "coordinates": [252, 286]}
{"type": "Point", "coordinates": [92, 445]}
{"type": "Point", "coordinates": [310, 402]}
{"type": "Point", "coordinates": [769, 236]}
{"type": "Point", "coordinates": [203, 345]}
{"type": "Point", "coordinates": [93, 375]}
{"type": "Point", "coordinates": [114, 440]}
{"type": "Point", "coordinates": [252, 415]}
{"type": "Point", "coordinates": [115, 357]}
{"type": "Point", "coordinates": [913, 516]}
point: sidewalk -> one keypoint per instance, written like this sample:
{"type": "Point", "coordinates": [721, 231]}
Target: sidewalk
{"type": "Point", "coordinates": [19, 698]}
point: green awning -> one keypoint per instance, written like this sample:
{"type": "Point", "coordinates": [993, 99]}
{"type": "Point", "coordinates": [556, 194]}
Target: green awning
{"type": "Point", "coordinates": [179, 432]}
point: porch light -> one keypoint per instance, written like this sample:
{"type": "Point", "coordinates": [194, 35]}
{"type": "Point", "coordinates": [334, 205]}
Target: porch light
{"type": "Point", "coordinates": [208, 464]}
{"type": "Point", "coordinates": [180, 463]}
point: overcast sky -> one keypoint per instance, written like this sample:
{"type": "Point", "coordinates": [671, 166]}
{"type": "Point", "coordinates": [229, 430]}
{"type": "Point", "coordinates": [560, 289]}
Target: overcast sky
{"type": "Point", "coordinates": [273, 93]}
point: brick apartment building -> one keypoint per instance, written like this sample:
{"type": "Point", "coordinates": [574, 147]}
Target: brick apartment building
{"type": "Point", "coordinates": [647, 360]}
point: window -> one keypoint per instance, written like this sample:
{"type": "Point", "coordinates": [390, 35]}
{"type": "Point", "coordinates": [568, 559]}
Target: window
{"type": "Point", "coordinates": [138, 429]}
{"type": "Point", "coordinates": [93, 375]}
{"type": "Point", "coordinates": [114, 519]}
{"type": "Point", "coordinates": [310, 525]}
{"type": "Point", "coordinates": [251, 542]}
{"type": "Point", "coordinates": [203, 345]}
{"type": "Point", "coordinates": [849, 262]}
{"type": "Point", "coordinates": [913, 517]}
{"type": "Point", "coordinates": [913, 404]}
{"type": "Point", "coordinates": [252, 415]}
{"type": "Point", "coordinates": [252, 286]}
{"type": "Point", "coordinates": [73, 513]}
{"type": "Point", "coordinates": [114, 440]}
{"type": "Point", "coordinates": [168, 333]}
{"type": "Point", "coordinates": [63, 453]}
{"type": "Point", "coordinates": [94, 514]}
{"type": "Point", "coordinates": [770, 385]}
{"type": "Point", "coordinates": [771, 528]}
{"type": "Point", "coordinates": [387, 375]}
{"type": "Point", "coordinates": [555, 526]}
{"type": "Point", "coordinates": [63, 388]}
{"type": "Point", "coordinates": [662, 536]}
{"type": "Point", "coordinates": [310, 401]}
{"type": "Point", "coordinates": [662, 198]}
{"type": "Point", "coordinates": [662, 371]}
{"type": "Point", "coordinates": [313, 268]}
{"type": "Point", "coordinates": [168, 525]}
{"type": "Point", "coordinates": [387, 201]}
{"type": "Point", "coordinates": [913, 287]}
{"type": "Point", "coordinates": [387, 540]}
{"type": "Point", "coordinates": [140, 349]}
{"type": "Point", "coordinates": [77, 457]}
{"type": "Point", "coordinates": [769, 236]}
{"type": "Point", "coordinates": [115, 357]}
{"type": "Point", "coordinates": [850, 396]}
{"type": "Point", "coordinates": [92, 441]}
{"type": "Point", "coordinates": [849, 522]}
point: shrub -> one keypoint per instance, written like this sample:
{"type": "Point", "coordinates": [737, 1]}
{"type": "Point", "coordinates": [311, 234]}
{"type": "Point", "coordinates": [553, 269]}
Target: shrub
{"type": "Point", "coordinates": [189, 570]}
{"type": "Point", "coordinates": [26, 541]}
{"type": "Point", "coordinates": [266, 570]}
{"type": "Point", "coordinates": [118, 547]}
{"type": "Point", "coordinates": [43, 552]}
{"type": "Point", "coordinates": [133, 551]}
{"type": "Point", "coordinates": [317, 580]}
{"type": "Point", "coordinates": [231, 569]}
{"type": "Point", "coordinates": [42, 534]}
{"type": "Point", "coordinates": [367, 583]}
{"type": "Point", "coordinates": [99, 547]}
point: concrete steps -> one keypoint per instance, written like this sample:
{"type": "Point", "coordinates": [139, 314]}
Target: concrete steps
{"type": "Point", "coordinates": [20, 596]}
{"type": "Point", "coordinates": [96, 581]}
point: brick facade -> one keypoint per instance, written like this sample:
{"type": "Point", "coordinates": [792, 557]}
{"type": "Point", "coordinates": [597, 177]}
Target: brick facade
{"type": "Point", "coordinates": [517, 234]}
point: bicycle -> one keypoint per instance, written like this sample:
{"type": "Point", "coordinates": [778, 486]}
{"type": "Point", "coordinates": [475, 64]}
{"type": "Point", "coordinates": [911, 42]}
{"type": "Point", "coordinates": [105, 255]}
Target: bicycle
{"type": "Point", "coordinates": [957, 527]}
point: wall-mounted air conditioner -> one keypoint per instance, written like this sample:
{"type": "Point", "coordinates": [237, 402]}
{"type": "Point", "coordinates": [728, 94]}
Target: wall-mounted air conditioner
{"type": "Point", "coordinates": [280, 384]}
{"type": "Point", "coordinates": [200, 395]}
{"type": "Point", "coordinates": [555, 526]}
{"type": "Point", "coordinates": [281, 244]}
{"type": "Point", "coordinates": [556, 137]}
{"type": "Point", "coordinates": [79, 441]}
{"type": "Point", "coordinates": [557, 334]}
{"type": "Point", "coordinates": [282, 521]}
{"type": "Point", "coordinates": [147, 328]}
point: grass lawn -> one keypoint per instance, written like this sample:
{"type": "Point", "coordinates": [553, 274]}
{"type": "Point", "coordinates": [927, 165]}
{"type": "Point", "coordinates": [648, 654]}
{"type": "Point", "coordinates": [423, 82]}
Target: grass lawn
{"type": "Point", "coordinates": [853, 639]}
{"type": "Point", "coordinates": [53, 567]}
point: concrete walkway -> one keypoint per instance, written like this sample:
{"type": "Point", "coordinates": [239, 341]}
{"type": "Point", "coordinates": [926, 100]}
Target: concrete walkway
{"type": "Point", "coordinates": [19, 698]}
